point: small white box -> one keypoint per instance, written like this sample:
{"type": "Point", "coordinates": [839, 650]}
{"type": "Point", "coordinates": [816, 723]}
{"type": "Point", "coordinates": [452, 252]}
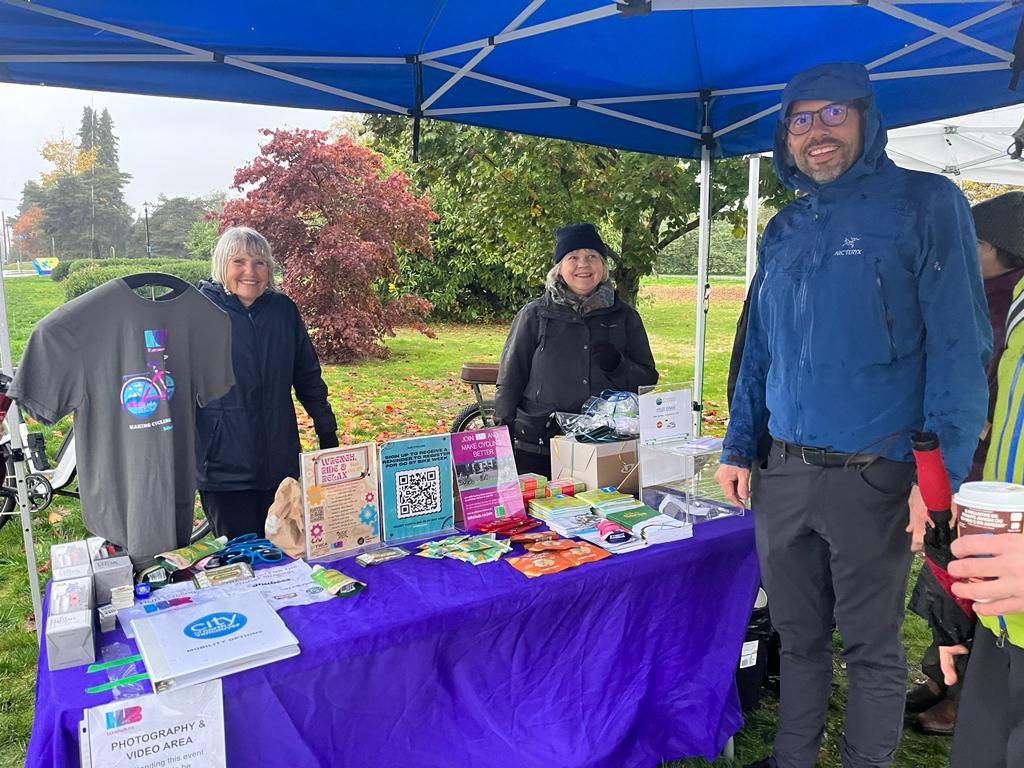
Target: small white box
{"type": "Point", "coordinates": [109, 571]}
{"type": "Point", "coordinates": [71, 596]}
{"type": "Point", "coordinates": [70, 640]}
{"type": "Point", "coordinates": [70, 560]}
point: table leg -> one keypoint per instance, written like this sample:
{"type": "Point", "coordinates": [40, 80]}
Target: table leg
{"type": "Point", "coordinates": [729, 750]}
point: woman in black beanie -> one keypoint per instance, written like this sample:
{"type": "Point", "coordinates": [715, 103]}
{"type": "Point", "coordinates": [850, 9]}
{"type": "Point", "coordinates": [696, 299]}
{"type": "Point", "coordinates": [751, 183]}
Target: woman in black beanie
{"type": "Point", "coordinates": [573, 342]}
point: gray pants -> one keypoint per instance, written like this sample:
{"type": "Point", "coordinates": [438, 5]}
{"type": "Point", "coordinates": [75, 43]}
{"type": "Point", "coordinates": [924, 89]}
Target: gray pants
{"type": "Point", "coordinates": [833, 549]}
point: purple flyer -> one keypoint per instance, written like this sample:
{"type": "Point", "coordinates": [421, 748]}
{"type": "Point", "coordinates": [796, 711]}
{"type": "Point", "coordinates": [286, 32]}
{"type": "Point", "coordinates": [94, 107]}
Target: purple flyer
{"type": "Point", "coordinates": [485, 471]}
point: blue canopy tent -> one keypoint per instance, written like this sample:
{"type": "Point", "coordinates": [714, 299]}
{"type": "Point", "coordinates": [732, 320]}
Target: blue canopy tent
{"type": "Point", "coordinates": [690, 78]}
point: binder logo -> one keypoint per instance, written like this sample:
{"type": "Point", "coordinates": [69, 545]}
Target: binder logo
{"type": "Point", "coordinates": [216, 625]}
{"type": "Point", "coordinates": [125, 716]}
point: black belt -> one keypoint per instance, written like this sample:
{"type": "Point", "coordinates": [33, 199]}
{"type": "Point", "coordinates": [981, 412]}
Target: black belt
{"type": "Point", "coordinates": [825, 457]}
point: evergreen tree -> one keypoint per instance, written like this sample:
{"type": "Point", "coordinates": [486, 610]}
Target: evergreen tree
{"type": "Point", "coordinates": [109, 217]}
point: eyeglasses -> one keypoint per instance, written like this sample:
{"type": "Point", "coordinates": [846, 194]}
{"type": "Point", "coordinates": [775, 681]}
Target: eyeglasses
{"type": "Point", "coordinates": [831, 115]}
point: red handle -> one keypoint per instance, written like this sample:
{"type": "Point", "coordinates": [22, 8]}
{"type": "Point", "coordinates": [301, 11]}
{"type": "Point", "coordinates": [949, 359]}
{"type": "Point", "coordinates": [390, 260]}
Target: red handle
{"type": "Point", "coordinates": [931, 472]}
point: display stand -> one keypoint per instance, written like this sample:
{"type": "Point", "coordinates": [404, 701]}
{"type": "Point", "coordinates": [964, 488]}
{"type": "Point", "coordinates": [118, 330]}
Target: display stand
{"type": "Point", "coordinates": [18, 449]}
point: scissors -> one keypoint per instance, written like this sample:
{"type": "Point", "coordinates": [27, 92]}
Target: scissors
{"type": "Point", "coordinates": [247, 548]}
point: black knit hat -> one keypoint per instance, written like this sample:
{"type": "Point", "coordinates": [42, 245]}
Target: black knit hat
{"type": "Point", "coordinates": [574, 236]}
{"type": "Point", "coordinates": [1000, 221]}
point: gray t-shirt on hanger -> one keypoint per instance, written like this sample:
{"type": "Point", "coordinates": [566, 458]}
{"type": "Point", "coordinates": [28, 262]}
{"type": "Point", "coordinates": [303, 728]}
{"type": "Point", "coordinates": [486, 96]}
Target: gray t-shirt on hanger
{"type": "Point", "coordinates": [133, 370]}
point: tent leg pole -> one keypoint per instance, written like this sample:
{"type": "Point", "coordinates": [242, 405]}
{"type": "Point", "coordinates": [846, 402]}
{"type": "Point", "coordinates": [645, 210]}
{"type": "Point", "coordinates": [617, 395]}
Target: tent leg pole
{"type": "Point", "coordinates": [17, 445]}
{"type": "Point", "coordinates": [703, 251]}
{"type": "Point", "coordinates": [753, 204]}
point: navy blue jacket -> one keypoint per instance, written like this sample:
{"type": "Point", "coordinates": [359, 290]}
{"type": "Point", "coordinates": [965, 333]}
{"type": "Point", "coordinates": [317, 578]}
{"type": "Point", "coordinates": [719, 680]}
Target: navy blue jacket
{"type": "Point", "coordinates": [867, 315]}
{"type": "Point", "coordinates": [249, 439]}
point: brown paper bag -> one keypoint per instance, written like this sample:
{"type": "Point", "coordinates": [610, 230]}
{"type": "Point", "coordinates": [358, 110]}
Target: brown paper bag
{"type": "Point", "coordinates": [285, 527]}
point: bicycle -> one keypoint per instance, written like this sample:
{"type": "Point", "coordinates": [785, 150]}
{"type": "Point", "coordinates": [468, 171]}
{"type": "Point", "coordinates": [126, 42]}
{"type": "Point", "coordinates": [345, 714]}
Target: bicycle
{"type": "Point", "coordinates": [44, 482]}
{"type": "Point", "coordinates": [480, 414]}
{"type": "Point", "coordinates": [142, 393]}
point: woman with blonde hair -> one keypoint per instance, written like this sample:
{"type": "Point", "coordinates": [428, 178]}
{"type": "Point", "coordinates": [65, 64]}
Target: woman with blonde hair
{"type": "Point", "coordinates": [247, 442]}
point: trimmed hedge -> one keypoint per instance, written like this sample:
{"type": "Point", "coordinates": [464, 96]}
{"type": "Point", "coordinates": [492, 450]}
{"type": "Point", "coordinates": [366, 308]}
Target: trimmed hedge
{"type": "Point", "coordinates": [90, 276]}
{"type": "Point", "coordinates": [70, 266]}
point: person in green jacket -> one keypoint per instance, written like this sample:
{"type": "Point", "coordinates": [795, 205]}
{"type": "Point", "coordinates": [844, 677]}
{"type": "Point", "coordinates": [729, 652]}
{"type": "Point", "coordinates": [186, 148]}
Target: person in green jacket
{"type": "Point", "coordinates": [990, 724]}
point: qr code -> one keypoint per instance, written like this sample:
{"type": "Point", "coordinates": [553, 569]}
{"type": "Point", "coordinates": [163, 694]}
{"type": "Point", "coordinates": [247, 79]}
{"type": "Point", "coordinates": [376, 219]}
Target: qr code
{"type": "Point", "coordinates": [418, 491]}
{"type": "Point", "coordinates": [316, 514]}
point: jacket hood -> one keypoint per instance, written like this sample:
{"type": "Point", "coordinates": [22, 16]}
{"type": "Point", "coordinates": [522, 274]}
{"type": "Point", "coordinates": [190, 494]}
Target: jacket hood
{"type": "Point", "coordinates": [834, 82]}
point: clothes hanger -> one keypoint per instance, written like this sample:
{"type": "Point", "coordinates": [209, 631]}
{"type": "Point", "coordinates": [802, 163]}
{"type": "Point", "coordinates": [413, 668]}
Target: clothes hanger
{"type": "Point", "coordinates": [175, 285]}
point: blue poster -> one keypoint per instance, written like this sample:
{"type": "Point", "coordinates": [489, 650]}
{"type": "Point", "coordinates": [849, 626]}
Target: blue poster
{"type": "Point", "coordinates": [416, 487]}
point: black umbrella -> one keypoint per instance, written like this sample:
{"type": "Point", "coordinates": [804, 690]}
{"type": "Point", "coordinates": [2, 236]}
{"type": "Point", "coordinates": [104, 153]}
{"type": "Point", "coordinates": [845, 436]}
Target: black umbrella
{"type": "Point", "coordinates": [950, 618]}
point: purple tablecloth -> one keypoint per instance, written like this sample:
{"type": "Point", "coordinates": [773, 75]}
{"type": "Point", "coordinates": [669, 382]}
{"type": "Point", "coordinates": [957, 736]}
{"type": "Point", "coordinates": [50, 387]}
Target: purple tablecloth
{"type": "Point", "coordinates": [623, 662]}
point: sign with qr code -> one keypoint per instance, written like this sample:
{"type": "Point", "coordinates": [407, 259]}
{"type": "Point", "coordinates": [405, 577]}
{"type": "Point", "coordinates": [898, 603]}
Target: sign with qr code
{"type": "Point", "coordinates": [417, 500]}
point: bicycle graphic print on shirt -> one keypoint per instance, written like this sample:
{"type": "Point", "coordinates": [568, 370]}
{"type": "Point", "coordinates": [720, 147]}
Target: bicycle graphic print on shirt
{"type": "Point", "coordinates": [141, 393]}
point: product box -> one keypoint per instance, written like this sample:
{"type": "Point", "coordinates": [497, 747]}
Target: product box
{"type": "Point", "coordinates": [70, 560]}
{"type": "Point", "coordinates": [109, 568]}
{"type": "Point", "coordinates": [71, 595]}
{"type": "Point", "coordinates": [596, 464]}
{"type": "Point", "coordinates": [70, 639]}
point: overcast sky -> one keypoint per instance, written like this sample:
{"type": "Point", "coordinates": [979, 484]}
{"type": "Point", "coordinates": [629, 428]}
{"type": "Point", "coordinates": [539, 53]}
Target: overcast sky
{"type": "Point", "coordinates": [175, 147]}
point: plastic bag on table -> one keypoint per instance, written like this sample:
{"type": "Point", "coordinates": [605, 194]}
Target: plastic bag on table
{"type": "Point", "coordinates": [125, 690]}
{"type": "Point", "coordinates": [621, 409]}
{"type": "Point", "coordinates": [585, 427]}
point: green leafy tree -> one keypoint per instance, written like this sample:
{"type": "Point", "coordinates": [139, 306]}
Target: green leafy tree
{"type": "Point", "coordinates": [82, 193]}
{"type": "Point", "coordinates": [978, 191]}
{"type": "Point", "coordinates": [501, 197]}
{"type": "Point", "coordinates": [170, 225]}
{"type": "Point", "coordinates": [202, 237]}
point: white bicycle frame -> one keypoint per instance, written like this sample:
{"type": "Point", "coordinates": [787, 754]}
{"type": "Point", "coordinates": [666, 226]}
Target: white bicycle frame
{"type": "Point", "coordinates": [67, 465]}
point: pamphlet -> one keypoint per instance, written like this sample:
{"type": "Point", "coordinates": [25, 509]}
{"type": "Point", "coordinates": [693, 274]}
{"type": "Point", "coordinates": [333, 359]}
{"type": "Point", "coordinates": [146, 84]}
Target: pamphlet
{"type": "Point", "coordinates": [416, 487]}
{"type": "Point", "coordinates": [542, 563]}
{"type": "Point", "coordinates": [339, 500]}
{"type": "Point", "coordinates": [183, 728]}
{"type": "Point", "coordinates": [485, 470]}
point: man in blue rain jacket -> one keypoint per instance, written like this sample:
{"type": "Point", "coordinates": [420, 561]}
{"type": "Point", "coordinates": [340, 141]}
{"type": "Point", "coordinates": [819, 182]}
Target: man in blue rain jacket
{"type": "Point", "coordinates": [867, 321]}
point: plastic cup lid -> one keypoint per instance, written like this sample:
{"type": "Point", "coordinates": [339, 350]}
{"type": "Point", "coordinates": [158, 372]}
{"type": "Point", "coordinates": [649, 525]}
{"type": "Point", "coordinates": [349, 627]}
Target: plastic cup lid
{"type": "Point", "coordinates": [991, 495]}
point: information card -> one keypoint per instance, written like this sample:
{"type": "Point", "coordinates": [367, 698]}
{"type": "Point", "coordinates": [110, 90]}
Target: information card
{"type": "Point", "coordinates": [182, 727]}
{"type": "Point", "coordinates": [339, 500]}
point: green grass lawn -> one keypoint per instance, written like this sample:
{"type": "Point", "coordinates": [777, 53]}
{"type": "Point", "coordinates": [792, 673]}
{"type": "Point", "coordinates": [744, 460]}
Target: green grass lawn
{"type": "Point", "coordinates": [416, 390]}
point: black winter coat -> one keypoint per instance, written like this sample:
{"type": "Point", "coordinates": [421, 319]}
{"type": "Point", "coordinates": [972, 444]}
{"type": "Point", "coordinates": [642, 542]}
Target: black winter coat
{"type": "Point", "coordinates": [547, 365]}
{"type": "Point", "coordinates": [249, 439]}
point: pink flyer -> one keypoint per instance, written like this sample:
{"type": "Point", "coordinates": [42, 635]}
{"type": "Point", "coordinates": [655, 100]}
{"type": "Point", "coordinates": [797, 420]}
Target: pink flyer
{"type": "Point", "coordinates": [485, 471]}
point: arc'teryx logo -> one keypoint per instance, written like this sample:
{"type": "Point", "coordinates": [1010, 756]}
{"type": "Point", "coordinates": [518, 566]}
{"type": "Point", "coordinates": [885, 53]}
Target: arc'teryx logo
{"type": "Point", "coordinates": [848, 247]}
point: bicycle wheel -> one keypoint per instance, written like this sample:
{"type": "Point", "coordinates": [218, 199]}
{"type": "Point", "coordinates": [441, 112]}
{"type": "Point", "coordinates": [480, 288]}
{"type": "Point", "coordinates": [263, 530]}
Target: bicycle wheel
{"type": "Point", "coordinates": [472, 417]}
{"type": "Point", "coordinates": [139, 396]}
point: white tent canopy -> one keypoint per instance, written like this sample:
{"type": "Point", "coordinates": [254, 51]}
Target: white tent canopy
{"type": "Point", "coordinates": [973, 147]}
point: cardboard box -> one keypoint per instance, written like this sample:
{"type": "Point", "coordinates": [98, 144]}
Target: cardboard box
{"type": "Point", "coordinates": [108, 572]}
{"type": "Point", "coordinates": [70, 560]}
{"type": "Point", "coordinates": [596, 464]}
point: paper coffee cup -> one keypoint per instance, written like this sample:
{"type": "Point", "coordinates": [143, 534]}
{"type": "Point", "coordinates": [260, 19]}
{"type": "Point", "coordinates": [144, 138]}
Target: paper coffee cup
{"type": "Point", "coordinates": [990, 507]}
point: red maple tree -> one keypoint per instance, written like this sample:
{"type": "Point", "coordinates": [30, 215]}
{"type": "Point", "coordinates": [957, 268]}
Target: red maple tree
{"type": "Point", "coordinates": [336, 219]}
{"type": "Point", "coordinates": [28, 233]}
